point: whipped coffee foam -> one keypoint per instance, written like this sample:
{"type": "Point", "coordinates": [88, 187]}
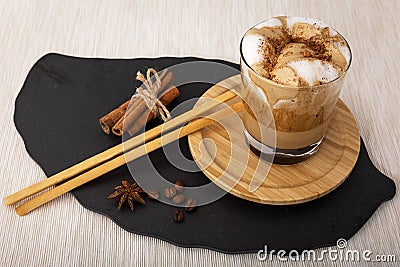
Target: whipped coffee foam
{"type": "Point", "coordinates": [314, 71]}
{"type": "Point", "coordinates": [250, 47]}
{"type": "Point", "coordinates": [344, 50]}
{"type": "Point", "coordinates": [290, 21]}
{"type": "Point", "coordinates": [296, 51]}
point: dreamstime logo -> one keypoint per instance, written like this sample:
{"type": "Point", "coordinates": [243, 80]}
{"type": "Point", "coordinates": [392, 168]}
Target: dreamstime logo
{"type": "Point", "coordinates": [339, 254]}
{"type": "Point", "coordinates": [146, 171]}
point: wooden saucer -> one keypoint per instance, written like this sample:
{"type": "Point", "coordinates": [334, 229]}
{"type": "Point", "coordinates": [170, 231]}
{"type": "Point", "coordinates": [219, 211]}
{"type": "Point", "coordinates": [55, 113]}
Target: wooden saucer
{"type": "Point", "coordinates": [281, 184]}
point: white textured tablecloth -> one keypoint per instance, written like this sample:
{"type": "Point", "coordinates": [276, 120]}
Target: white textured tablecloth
{"type": "Point", "coordinates": [63, 233]}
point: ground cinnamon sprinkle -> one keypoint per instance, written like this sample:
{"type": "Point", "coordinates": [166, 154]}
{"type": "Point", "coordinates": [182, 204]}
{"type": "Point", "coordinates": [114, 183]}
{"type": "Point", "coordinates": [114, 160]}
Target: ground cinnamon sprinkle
{"type": "Point", "coordinates": [271, 48]}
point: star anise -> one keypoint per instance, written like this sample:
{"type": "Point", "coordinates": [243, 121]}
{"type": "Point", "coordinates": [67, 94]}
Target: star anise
{"type": "Point", "coordinates": [128, 192]}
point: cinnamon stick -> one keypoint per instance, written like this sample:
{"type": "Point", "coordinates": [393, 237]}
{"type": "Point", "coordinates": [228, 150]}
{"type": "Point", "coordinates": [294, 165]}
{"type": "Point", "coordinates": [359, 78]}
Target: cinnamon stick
{"type": "Point", "coordinates": [170, 94]}
{"type": "Point", "coordinates": [109, 120]}
{"type": "Point", "coordinates": [138, 107]}
{"type": "Point", "coordinates": [140, 121]}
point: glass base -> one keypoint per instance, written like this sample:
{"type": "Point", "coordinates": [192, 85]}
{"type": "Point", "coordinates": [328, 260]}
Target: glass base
{"type": "Point", "coordinates": [280, 156]}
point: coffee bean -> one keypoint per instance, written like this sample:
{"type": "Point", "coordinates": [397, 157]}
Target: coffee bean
{"type": "Point", "coordinates": [170, 192]}
{"type": "Point", "coordinates": [178, 199]}
{"type": "Point", "coordinates": [190, 205]}
{"type": "Point", "coordinates": [179, 186]}
{"type": "Point", "coordinates": [178, 216]}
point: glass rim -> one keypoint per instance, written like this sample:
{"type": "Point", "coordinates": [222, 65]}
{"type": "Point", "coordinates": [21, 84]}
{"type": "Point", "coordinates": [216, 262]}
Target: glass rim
{"type": "Point", "coordinates": [304, 87]}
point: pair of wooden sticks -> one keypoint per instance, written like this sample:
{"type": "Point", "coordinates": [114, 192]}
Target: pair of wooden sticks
{"type": "Point", "coordinates": [114, 157]}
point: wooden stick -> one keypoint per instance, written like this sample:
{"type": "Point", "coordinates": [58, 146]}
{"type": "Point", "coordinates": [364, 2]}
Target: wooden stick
{"type": "Point", "coordinates": [122, 159]}
{"type": "Point", "coordinates": [115, 151]}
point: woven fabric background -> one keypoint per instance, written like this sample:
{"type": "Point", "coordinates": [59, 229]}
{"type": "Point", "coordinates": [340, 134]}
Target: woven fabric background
{"type": "Point", "coordinates": [62, 233]}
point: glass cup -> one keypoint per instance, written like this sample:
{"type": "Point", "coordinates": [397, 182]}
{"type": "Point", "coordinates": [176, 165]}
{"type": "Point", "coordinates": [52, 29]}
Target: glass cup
{"type": "Point", "coordinates": [288, 121]}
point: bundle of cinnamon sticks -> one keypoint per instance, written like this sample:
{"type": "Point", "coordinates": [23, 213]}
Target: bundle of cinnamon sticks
{"type": "Point", "coordinates": [135, 118]}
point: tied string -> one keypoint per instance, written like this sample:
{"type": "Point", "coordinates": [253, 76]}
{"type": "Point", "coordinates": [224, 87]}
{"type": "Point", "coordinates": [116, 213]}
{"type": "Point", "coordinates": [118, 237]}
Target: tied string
{"type": "Point", "coordinates": [149, 93]}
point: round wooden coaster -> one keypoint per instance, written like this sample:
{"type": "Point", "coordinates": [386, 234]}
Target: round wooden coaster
{"type": "Point", "coordinates": [280, 184]}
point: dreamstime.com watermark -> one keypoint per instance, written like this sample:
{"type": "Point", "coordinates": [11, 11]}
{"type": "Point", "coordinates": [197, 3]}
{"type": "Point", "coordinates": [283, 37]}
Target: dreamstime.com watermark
{"type": "Point", "coordinates": [339, 254]}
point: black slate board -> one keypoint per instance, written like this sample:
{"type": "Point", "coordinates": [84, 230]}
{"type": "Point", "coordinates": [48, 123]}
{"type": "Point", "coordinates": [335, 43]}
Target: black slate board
{"type": "Point", "coordinates": [56, 114]}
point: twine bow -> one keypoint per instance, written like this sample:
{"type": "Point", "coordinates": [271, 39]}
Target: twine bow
{"type": "Point", "coordinates": [149, 93]}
